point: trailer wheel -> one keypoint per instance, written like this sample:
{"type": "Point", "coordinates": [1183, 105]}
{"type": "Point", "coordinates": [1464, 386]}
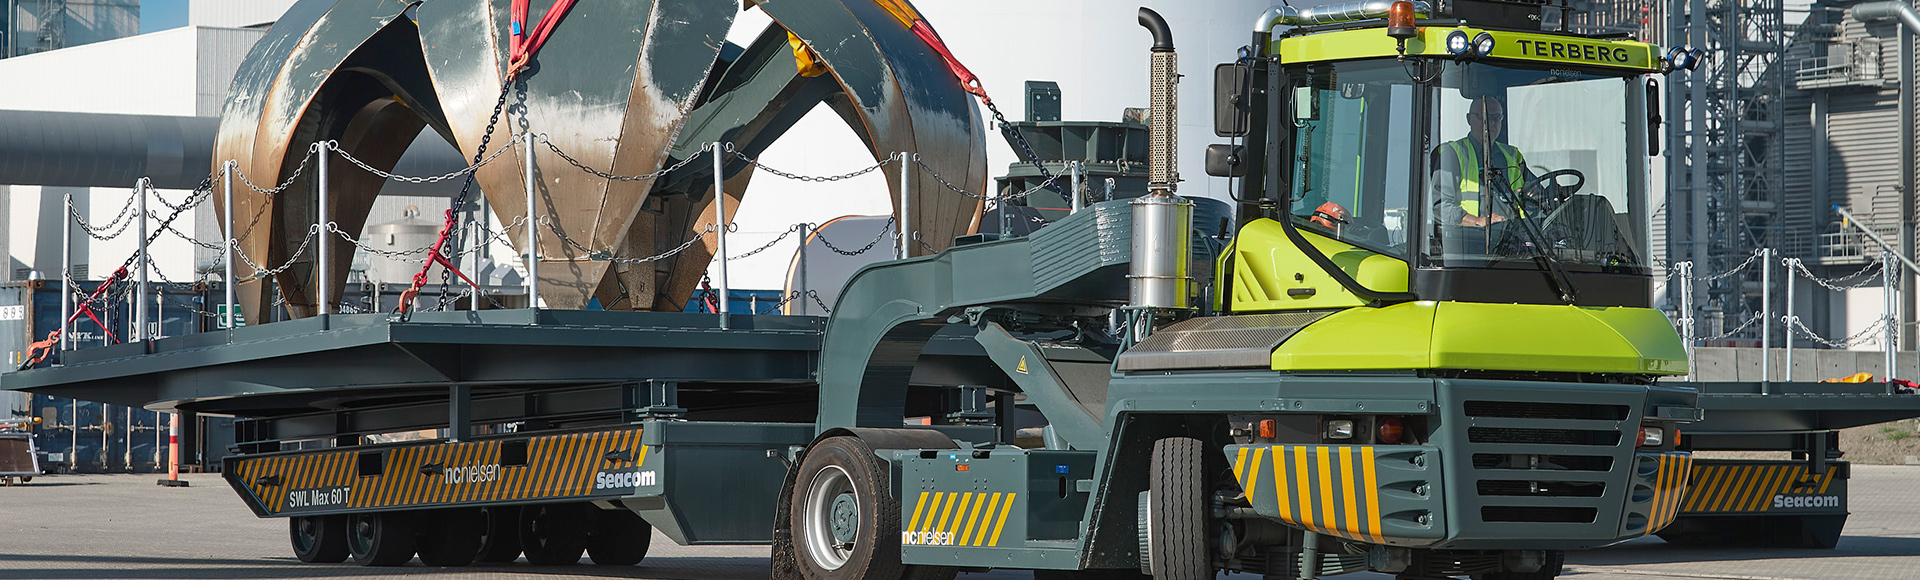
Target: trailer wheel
{"type": "Point", "coordinates": [553, 534]}
{"type": "Point", "coordinates": [449, 537]}
{"type": "Point", "coordinates": [499, 534]}
{"type": "Point", "coordinates": [1176, 512]}
{"type": "Point", "coordinates": [319, 539]}
{"type": "Point", "coordinates": [619, 538]}
{"type": "Point", "coordinates": [384, 539]}
{"type": "Point", "coordinates": [844, 524]}
{"type": "Point", "coordinates": [1548, 571]}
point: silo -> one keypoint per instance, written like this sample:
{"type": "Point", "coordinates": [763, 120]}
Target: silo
{"type": "Point", "coordinates": [407, 235]}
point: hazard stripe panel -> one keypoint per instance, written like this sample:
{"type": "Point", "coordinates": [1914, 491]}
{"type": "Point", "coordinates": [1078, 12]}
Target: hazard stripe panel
{"type": "Point", "coordinates": [555, 466]}
{"type": "Point", "coordinates": [1669, 487]}
{"type": "Point", "coordinates": [1751, 487]}
{"type": "Point", "coordinates": [1331, 489]}
{"type": "Point", "coordinates": [972, 519]}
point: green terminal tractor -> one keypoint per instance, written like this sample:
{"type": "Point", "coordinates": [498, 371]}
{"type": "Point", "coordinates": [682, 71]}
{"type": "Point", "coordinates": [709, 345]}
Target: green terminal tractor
{"type": "Point", "coordinates": [1427, 350]}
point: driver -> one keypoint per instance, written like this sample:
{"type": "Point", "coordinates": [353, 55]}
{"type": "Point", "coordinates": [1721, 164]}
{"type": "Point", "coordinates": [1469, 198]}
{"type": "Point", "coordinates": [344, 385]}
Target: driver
{"type": "Point", "coordinates": [1459, 163]}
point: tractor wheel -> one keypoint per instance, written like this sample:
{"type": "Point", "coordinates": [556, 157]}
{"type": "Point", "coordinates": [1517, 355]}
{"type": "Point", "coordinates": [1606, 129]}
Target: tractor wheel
{"type": "Point", "coordinates": [845, 526]}
{"type": "Point", "coordinates": [449, 537]}
{"type": "Point", "coordinates": [554, 534]}
{"type": "Point", "coordinates": [383, 539]}
{"type": "Point", "coordinates": [619, 538]}
{"type": "Point", "coordinates": [1175, 513]}
{"type": "Point", "coordinates": [499, 535]}
{"type": "Point", "coordinates": [319, 539]}
{"type": "Point", "coordinates": [1548, 571]}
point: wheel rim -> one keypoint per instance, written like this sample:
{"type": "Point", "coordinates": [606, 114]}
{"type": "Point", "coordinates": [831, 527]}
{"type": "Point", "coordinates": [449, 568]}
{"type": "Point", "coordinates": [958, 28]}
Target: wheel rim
{"type": "Point", "coordinates": [537, 529]}
{"type": "Point", "coordinates": [831, 522]}
{"type": "Point", "coordinates": [362, 535]}
{"type": "Point", "coordinates": [304, 534]}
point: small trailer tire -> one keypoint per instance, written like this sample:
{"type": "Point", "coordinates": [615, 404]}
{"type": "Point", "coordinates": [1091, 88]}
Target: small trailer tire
{"type": "Point", "coordinates": [619, 538]}
{"type": "Point", "coordinates": [449, 537]}
{"type": "Point", "coordinates": [845, 526]}
{"type": "Point", "coordinates": [380, 539]}
{"type": "Point", "coordinates": [554, 534]}
{"type": "Point", "coordinates": [318, 539]}
{"type": "Point", "coordinates": [1176, 512]}
{"type": "Point", "coordinates": [499, 534]}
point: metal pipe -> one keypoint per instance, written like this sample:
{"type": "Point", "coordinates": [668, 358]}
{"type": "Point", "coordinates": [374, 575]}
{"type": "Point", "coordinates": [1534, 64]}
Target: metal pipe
{"type": "Point", "coordinates": [1886, 287]}
{"type": "Point", "coordinates": [473, 259]}
{"type": "Point", "coordinates": [226, 185]}
{"type": "Point", "coordinates": [1766, 318]}
{"type": "Point", "coordinates": [1846, 218]}
{"type": "Point", "coordinates": [720, 217]}
{"type": "Point", "coordinates": [800, 276]}
{"type": "Point", "coordinates": [905, 223]}
{"type": "Point", "coordinates": [533, 235]}
{"type": "Point", "coordinates": [326, 269]}
{"type": "Point", "coordinates": [1686, 310]}
{"type": "Point", "coordinates": [1788, 321]}
{"type": "Point", "coordinates": [1331, 13]}
{"type": "Point", "coordinates": [140, 188]}
{"type": "Point", "coordinates": [1076, 203]}
{"type": "Point", "coordinates": [66, 274]}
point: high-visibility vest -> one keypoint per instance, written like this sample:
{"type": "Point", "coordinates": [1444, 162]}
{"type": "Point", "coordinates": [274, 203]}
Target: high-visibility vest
{"type": "Point", "coordinates": [1468, 155]}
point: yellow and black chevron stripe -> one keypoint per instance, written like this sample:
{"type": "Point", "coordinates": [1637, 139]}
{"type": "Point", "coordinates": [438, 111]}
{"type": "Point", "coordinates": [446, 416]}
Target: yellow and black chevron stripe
{"type": "Point", "coordinates": [966, 518]}
{"type": "Point", "coordinates": [1669, 489]}
{"type": "Point", "coordinates": [1750, 487]}
{"type": "Point", "coordinates": [557, 466]}
{"type": "Point", "coordinates": [1331, 489]}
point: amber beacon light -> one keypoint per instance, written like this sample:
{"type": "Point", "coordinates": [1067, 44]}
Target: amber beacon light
{"type": "Point", "coordinates": [1400, 23]}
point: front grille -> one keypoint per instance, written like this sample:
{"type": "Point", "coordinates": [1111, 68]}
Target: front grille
{"type": "Point", "coordinates": [1542, 462]}
{"type": "Point", "coordinates": [1515, 488]}
{"type": "Point", "coordinates": [1538, 514]}
{"type": "Point", "coordinates": [1542, 436]}
{"type": "Point", "coordinates": [1532, 410]}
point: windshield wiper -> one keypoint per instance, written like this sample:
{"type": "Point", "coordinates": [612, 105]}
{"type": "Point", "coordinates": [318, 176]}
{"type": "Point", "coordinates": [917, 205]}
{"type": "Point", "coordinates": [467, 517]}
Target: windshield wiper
{"type": "Point", "coordinates": [1543, 256]}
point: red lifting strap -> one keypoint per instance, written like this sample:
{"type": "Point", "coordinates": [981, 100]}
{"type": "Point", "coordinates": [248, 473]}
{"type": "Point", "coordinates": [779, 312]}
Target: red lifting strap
{"type": "Point", "coordinates": [525, 42]}
{"type": "Point", "coordinates": [967, 80]}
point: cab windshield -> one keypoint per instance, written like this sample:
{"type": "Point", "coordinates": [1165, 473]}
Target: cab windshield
{"type": "Point", "coordinates": [1531, 165]}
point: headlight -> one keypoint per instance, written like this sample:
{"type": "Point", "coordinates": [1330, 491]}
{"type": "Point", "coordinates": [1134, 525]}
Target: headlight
{"type": "Point", "coordinates": [1339, 429]}
{"type": "Point", "coordinates": [1457, 43]}
{"type": "Point", "coordinates": [1652, 436]}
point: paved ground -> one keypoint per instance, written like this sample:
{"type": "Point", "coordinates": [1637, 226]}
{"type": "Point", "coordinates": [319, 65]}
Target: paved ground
{"type": "Point", "coordinates": [124, 527]}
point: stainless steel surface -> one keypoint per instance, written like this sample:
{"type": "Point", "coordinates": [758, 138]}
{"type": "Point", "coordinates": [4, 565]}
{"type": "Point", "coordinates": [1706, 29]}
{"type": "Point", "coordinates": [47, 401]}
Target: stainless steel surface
{"type": "Point", "coordinates": [142, 189]}
{"type": "Point", "coordinates": [1241, 341]}
{"type": "Point", "coordinates": [325, 257]}
{"type": "Point", "coordinates": [66, 273]}
{"type": "Point", "coordinates": [1331, 13]}
{"type": "Point", "coordinates": [1159, 276]}
{"type": "Point", "coordinates": [227, 243]}
{"type": "Point", "coordinates": [1163, 138]}
{"type": "Point", "coordinates": [532, 248]}
{"type": "Point", "coordinates": [720, 218]}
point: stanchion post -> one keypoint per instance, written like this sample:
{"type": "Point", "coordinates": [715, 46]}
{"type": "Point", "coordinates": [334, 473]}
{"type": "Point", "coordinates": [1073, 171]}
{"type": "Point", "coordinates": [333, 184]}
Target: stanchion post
{"type": "Point", "coordinates": [1073, 188]}
{"type": "Point", "coordinates": [476, 230]}
{"type": "Point", "coordinates": [904, 226]}
{"type": "Point", "coordinates": [1789, 321]}
{"type": "Point", "coordinates": [1892, 324]}
{"type": "Point", "coordinates": [720, 217]}
{"type": "Point", "coordinates": [533, 235]}
{"type": "Point", "coordinates": [226, 186]}
{"type": "Point", "coordinates": [800, 274]}
{"type": "Point", "coordinates": [1766, 319]}
{"type": "Point", "coordinates": [1686, 311]}
{"type": "Point", "coordinates": [66, 274]}
{"type": "Point", "coordinates": [173, 453]}
{"type": "Point", "coordinates": [140, 315]}
{"type": "Point", "coordinates": [326, 266]}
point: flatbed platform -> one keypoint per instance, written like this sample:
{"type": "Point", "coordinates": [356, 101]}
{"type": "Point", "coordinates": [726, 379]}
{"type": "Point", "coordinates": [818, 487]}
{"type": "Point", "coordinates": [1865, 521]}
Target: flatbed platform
{"type": "Point", "coordinates": [1755, 416]}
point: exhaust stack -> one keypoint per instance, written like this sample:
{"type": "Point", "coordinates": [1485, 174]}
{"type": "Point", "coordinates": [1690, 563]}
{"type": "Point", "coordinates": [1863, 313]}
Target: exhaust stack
{"type": "Point", "coordinates": [1162, 222]}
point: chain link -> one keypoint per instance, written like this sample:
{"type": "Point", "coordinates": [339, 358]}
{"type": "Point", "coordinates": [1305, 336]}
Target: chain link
{"type": "Point", "coordinates": [1736, 330]}
{"type": "Point", "coordinates": [449, 176]}
{"type": "Point", "coordinates": [607, 255]}
{"type": "Point", "coordinates": [292, 258]}
{"type": "Point", "coordinates": [297, 172]}
{"type": "Point", "coordinates": [884, 230]}
{"type": "Point", "coordinates": [1872, 330]}
{"type": "Point", "coordinates": [816, 179]}
{"type": "Point", "coordinates": [604, 175]}
{"type": "Point", "coordinates": [817, 302]}
{"type": "Point", "coordinates": [1836, 284]}
{"type": "Point", "coordinates": [118, 226]}
{"type": "Point", "coordinates": [1006, 128]}
{"type": "Point", "coordinates": [1735, 270]}
{"type": "Point", "coordinates": [1044, 185]}
{"type": "Point", "coordinates": [769, 245]}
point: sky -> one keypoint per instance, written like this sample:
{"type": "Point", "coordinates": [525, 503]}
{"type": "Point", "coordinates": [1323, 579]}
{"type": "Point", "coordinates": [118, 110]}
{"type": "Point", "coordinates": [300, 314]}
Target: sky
{"type": "Point", "coordinates": [158, 15]}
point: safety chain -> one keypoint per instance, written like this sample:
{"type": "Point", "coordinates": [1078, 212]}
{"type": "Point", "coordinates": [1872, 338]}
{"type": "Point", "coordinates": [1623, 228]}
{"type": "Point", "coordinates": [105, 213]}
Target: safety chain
{"type": "Point", "coordinates": [297, 172]}
{"type": "Point", "coordinates": [1006, 128]}
{"type": "Point", "coordinates": [1736, 330]}
{"type": "Point", "coordinates": [817, 302]}
{"type": "Point", "coordinates": [1047, 185]}
{"type": "Point", "coordinates": [118, 226]}
{"type": "Point", "coordinates": [816, 179]}
{"type": "Point", "coordinates": [789, 298]}
{"type": "Point", "coordinates": [1731, 271]}
{"type": "Point", "coordinates": [769, 245]}
{"type": "Point", "coordinates": [1837, 284]}
{"type": "Point", "coordinates": [607, 255]}
{"type": "Point", "coordinates": [604, 175]}
{"type": "Point", "coordinates": [194, 198]}
{"type": "Point", "coordinates": [183, 305]}
{"type": "Point", "coordinates": [449, 176]}
{"type": "Point", "coordinates": [292, 258]}
{"type": "Point", "coordinates": [1872, 330]}
{"type": "Point", "coordinates": [884, 230]}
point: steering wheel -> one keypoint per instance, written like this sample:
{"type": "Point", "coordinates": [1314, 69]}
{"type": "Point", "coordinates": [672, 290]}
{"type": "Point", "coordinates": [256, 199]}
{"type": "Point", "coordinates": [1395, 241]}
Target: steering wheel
{"type": "Point", "coordinates": [1551, 177]}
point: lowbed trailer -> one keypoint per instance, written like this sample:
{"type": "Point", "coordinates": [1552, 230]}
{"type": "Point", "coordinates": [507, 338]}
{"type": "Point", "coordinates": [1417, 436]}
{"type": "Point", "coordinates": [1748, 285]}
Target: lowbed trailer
{"type": "Point", "coordinates": [1427, 373]}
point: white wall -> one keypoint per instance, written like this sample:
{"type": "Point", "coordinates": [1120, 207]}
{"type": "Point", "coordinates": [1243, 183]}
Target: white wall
{"type": "Point", "coordinates": [150, 74]}
{"type": "Point", "coordinates": [236, 13]}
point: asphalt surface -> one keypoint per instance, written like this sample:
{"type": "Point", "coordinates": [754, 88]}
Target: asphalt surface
{"type": "Point", "coordinates": [82, 527]}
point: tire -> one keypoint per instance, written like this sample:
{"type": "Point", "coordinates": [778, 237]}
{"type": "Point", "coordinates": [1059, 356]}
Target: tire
{"type": "Point", "coordinates": [448, 537]}
{"type": "Point", "coordinates": [499, 535]}
{"type": "Point", "coordinates": [318, 539]}
{"type": "Point", "coordinates": [383, 539]}
{"type": "Point", "coordinates": [1556, 560]}
{"type": "Point", "coordinates": [1176, 512]}
{"type": "Point", "coordinates": [619, 538]}
{"type": "Point", "coordinates": [554, 534]}
{"type": "Point", "coordinates": [845, 526]}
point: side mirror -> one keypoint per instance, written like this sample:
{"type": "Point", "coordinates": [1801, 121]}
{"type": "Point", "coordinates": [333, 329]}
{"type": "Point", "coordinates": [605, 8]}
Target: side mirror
{"type": "Point", "coordinates": [1653, 117]}
{"type": "Point", "coordinates": [1305, 108]}
{"type": "Point", "coordinates": [1226, 160]}
{"type": "Point", "coordinates": [1231, 84]}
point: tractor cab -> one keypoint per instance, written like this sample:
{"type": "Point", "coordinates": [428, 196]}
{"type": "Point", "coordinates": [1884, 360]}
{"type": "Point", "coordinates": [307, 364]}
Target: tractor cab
{"type": "Point", "coordinates": [1401, 155]}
